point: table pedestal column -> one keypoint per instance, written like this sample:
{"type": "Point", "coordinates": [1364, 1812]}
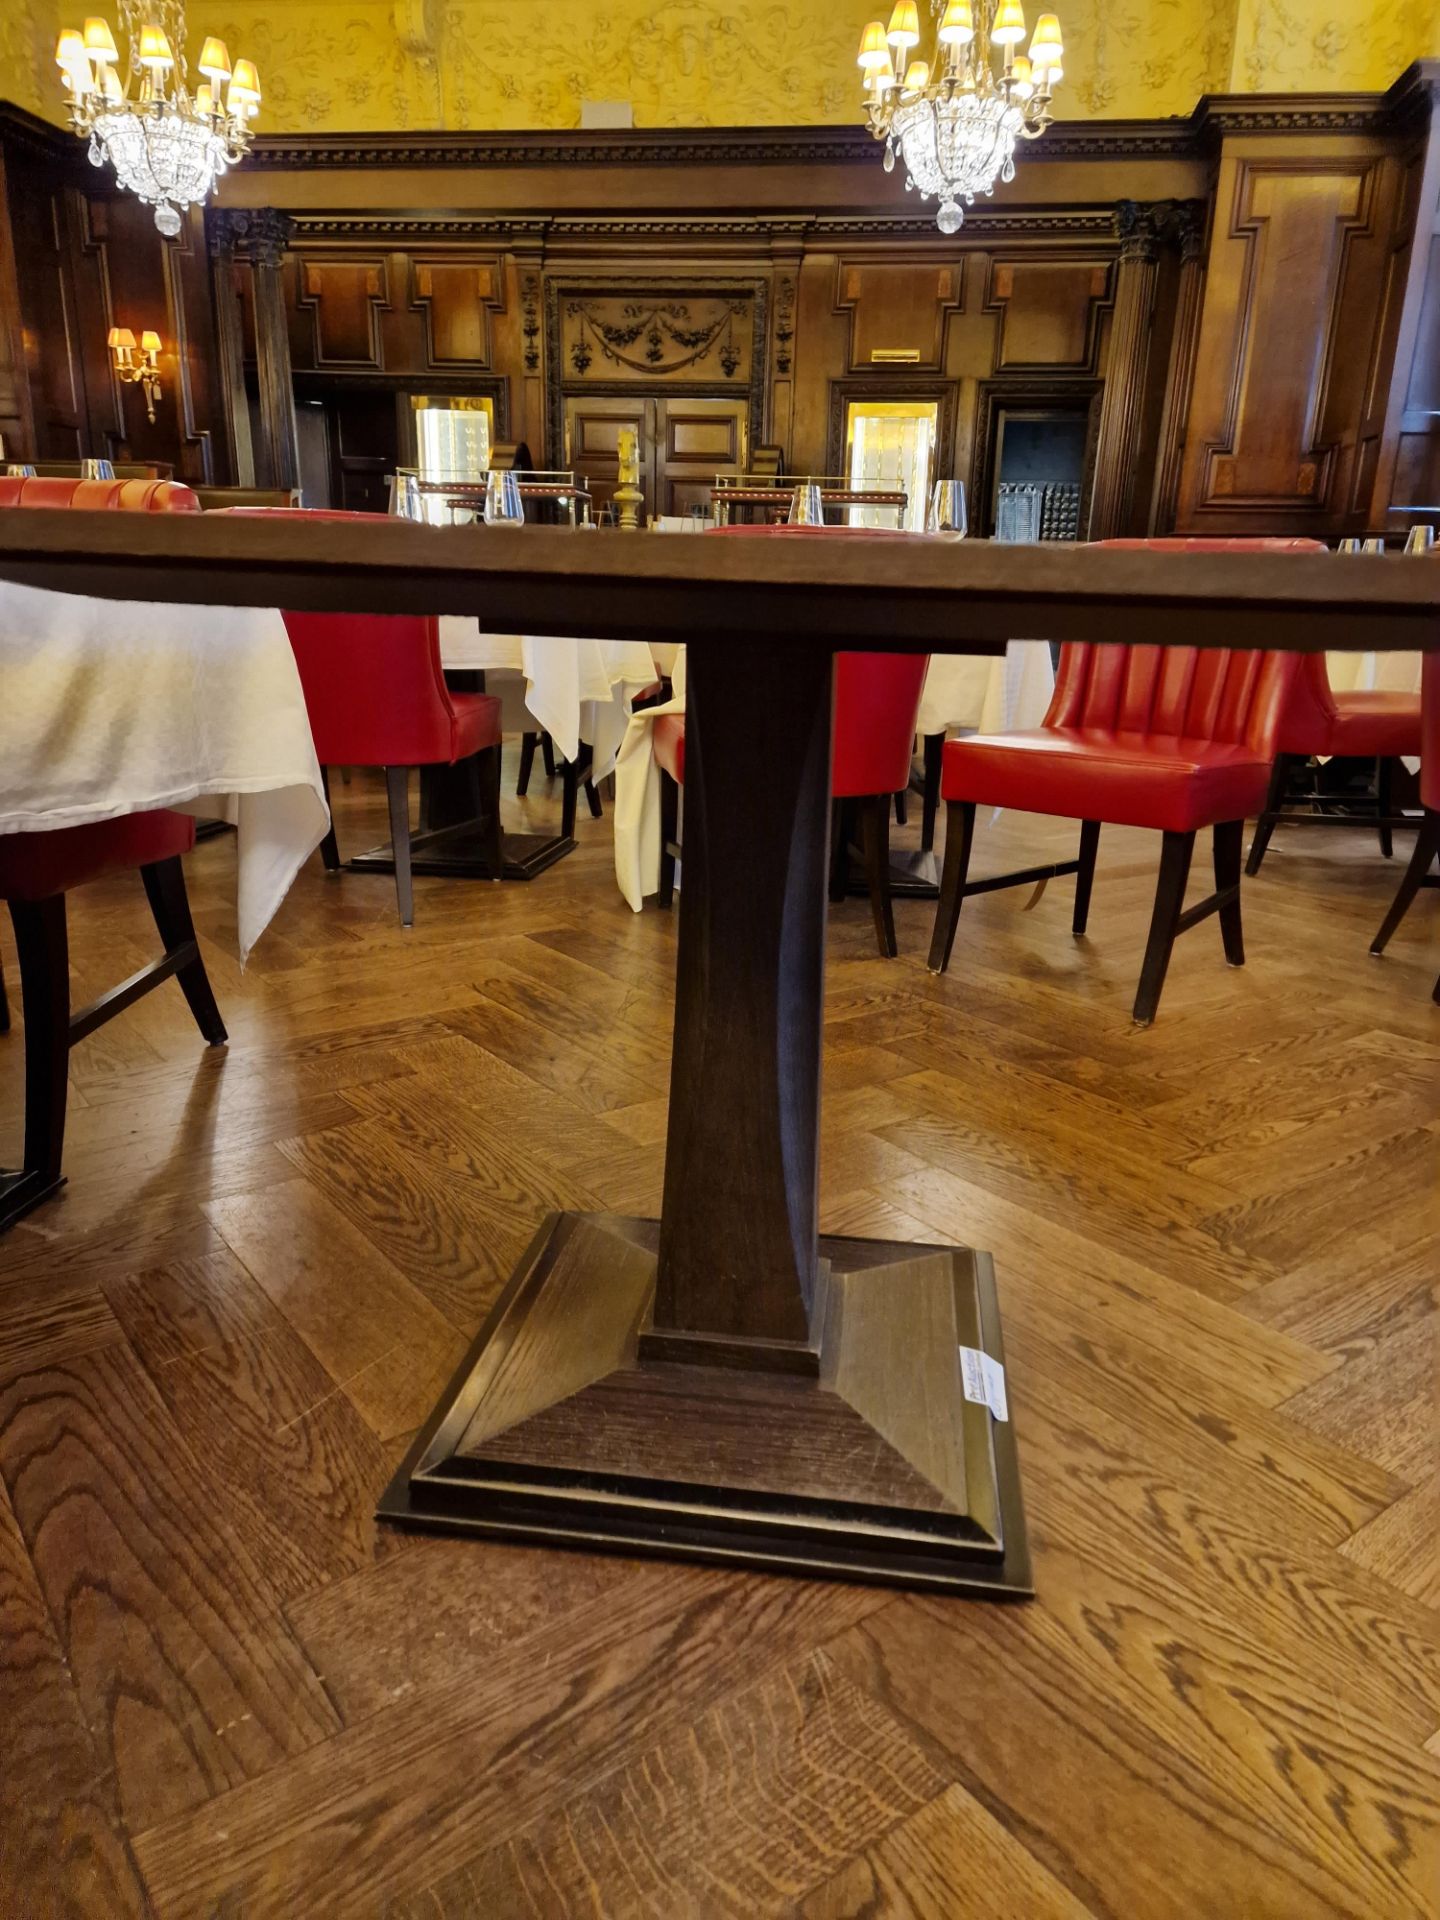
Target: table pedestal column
{"type": "Point", "coordinates": [724, 1384]}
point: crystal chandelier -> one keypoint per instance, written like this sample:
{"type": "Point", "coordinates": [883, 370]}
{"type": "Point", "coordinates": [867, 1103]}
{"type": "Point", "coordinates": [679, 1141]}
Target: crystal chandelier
{"type": "Point", "coordinates": [167, 145]}
{"type": "Point", "coordinates": [956, 117]}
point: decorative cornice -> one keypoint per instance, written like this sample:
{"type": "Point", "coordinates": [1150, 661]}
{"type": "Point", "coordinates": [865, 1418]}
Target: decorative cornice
{"type": "Point", "coordinates": [1096, 224]}
{"type": "Point", "coordinates": [697, 146]}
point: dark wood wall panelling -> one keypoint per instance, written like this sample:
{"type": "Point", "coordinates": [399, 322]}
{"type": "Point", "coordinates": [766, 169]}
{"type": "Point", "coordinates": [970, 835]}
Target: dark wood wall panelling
{"type": "Point", "coordinates": [73, 263]}
{"type": "Point", "coordinates": [1256, 343]}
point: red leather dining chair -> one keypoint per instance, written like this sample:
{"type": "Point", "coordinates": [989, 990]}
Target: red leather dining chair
{"type": "Point", "coordinates": [1178, 738]}
{"type": "Point", "coordinates": [877, 698]}
{"type": "Point", "coordinates": [38, 869]}
{"type": "Point", "coordinates": [1427, 842]}
{"type": "Point", "coordinates": [376, 695]}
{"type": "Point", "coordinates": [1318, 723]}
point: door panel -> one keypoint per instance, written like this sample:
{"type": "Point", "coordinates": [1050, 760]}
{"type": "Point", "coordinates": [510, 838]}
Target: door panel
{"type": "Point", "coordinates": [684, 443]}
{"type": "Point", "coordinates": [592, 435]}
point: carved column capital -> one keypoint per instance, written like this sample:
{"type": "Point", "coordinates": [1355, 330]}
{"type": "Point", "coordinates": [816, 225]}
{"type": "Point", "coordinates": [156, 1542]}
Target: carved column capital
{"type": "Point", "coordinates": [1138, 228]}
{"type": "Point", "coordinates": [267, 235]}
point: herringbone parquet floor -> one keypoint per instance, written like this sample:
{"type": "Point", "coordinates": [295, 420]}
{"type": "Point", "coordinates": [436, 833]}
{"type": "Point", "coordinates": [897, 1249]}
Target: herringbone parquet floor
{"type": "Point", "coordinates": [225, 1692]}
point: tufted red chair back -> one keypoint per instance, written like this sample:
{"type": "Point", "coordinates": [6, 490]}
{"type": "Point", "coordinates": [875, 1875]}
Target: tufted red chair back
{"type": "Point", "coordinates": [374, 685]}
{"type": "Point", "coordinates": [877, 695]}
{"type": "Point", "coordinates": [1191, 693]}
{"type": "Point", "coordinates": [129, 496]}
{"type": "Point", "coordinates": [1430, 731]}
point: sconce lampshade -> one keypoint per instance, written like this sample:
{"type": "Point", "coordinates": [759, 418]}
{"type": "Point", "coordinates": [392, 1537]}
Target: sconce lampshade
{"type": "Point", "coordinates": [70, 49]}
{"type": "Point", "coordinates": [149, 341]}
{"type": "Point", "coordinates": [121, 337]}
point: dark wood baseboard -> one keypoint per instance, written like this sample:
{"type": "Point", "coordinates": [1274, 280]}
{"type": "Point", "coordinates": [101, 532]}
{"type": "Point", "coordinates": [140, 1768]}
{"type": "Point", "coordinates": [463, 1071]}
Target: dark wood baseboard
{"type": "Point", "coordinates": [879, 1469]}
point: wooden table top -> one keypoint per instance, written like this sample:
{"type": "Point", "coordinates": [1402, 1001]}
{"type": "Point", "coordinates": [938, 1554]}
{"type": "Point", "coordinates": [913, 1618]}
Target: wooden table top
{"type": "Point", "coordinates": [888, 592]}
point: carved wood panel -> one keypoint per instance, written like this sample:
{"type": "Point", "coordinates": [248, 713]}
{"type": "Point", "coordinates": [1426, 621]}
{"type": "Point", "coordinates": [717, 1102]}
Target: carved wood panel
{"type": "Point", "coordinates": [1049, 313]}
{"type": "Point", "coordinates": [1293, 298]}
{"type": "Point", "coordinates": [343, 300]}
{"type": "Point", "coordinates": [898, 311]}
{"type": "Point", "coordinates": [645, 336]}
{"type": "Point", "coordinates": [456, 299]}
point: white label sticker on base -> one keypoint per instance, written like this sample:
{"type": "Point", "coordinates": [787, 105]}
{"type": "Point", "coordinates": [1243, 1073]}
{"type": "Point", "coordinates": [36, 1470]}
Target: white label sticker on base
{"type": "Point", "coordinates": [984, 1381]}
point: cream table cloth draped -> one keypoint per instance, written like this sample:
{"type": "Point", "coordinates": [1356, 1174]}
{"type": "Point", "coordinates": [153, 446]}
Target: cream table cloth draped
{"type": "Point", "coordinates": [110, 707]}
{"type": "Point", "coordinates": [574, 689]}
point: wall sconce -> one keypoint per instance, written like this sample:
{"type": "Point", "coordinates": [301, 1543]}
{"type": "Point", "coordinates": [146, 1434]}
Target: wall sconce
{"type": "Point", "coordinates": [138, 365]}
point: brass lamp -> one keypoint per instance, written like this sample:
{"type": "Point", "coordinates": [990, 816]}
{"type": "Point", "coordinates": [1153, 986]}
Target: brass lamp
{"type": "Point", "coordinates": [138, 366]}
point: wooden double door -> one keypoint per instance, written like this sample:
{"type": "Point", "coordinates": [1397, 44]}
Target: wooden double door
{"type": "Point", "coordinates": [684, 442]}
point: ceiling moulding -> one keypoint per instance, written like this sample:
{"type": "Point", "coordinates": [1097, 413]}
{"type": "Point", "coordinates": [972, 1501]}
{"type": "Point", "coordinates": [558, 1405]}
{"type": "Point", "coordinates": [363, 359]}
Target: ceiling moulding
{"type": "Point", "coordinates": [1215, 115]}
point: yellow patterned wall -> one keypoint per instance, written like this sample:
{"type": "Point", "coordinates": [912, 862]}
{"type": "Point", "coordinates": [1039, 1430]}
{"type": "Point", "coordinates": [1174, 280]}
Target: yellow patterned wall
{"type": "Point", "coordinates": [375, 65]}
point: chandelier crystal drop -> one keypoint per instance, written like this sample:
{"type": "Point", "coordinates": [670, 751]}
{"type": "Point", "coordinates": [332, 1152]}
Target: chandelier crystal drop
{"type": "Point", "coordinates": [167, 144]}
{"type": "Point", "coordinates": [954, 119]}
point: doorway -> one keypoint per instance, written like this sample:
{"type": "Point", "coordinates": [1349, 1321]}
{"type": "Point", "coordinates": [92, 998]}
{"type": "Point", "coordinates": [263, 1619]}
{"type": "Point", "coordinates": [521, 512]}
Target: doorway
{"type": "Point", "coordinates": [684, 442]}
{"type": "Point", "coordinates": [349, 447]}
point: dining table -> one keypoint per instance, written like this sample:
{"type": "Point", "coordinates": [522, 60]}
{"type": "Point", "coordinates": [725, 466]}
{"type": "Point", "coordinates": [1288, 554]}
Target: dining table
{"type": "Point", "coordinates": [725, 1383]}
{"type": "Point", "coordinates": [112, 707]}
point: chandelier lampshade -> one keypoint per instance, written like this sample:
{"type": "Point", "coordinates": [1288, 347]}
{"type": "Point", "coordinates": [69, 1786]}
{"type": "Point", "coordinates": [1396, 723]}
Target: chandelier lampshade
{"type": "Point", "coordinates": [167, 145]}
{"type": "Point", "coordinates": [955, 119]}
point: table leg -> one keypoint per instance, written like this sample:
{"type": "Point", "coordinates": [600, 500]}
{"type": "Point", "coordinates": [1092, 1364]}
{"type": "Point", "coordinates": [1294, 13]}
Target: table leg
{"type": "Point", "coordinates": [726, 1384]}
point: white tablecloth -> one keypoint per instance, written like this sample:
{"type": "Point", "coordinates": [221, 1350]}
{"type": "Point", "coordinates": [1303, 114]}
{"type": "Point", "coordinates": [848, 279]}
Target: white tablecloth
{"type": "Point", "coordinates": [112, 706]}
{"type": "Point", "coordinates": [574, 689]}
{"type": "Point", "coordinates": [996, 695]}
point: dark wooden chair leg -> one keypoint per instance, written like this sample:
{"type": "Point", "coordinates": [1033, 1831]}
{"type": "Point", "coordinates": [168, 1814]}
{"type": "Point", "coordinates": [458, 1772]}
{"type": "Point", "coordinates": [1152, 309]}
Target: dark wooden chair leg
{"type": "Point", "coordinates": [397, 792]}
{"type": "Point", "coordinates": [528, 744]}
{"type": "Point", "coordinates": [839, 849]}
{"type": "Point", "coordinates": [42, 945]}
{"type": "Point", "coordinates": [875, 826]}
{"type": "Point", "coordinates": [1274, 801]}
{"type": "Point", "coordinates": [669, 829]}
{"type": "Point", "coordinates": [329, 846]}
{"type": "Point", "coordinates": [902, 807]}
{"type": "Point", "coordinates": [1229, 836]}
{"type": "Point", "coordinates": [1085, 878]}
{"type": "Point", "coordinates": [1427, 848]}
{"type": "Point", "coordinates": [959, 838]}
{"type": "Point", "coordinates": [933, 750]}
{"type": "Point", "coordinates": [1169, 905]}
{"type": "Point", "coordinates": [583, 769]}
{"type": "Point", "coordinates": [569, 792]}
{"type": "Point", "coordinates": [1384, 784]}
{"type": "Point", "coordinates": [170, 904]}
{"type": "Point", "coordinates": [547, 755]}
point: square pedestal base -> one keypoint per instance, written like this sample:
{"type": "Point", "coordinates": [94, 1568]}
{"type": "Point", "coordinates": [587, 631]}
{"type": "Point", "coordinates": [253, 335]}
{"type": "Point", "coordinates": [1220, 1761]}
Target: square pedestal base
{"type": "Point", "coordinates": [878, 1467]}
{"type": "Point", "coordinates": [458, 853]}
